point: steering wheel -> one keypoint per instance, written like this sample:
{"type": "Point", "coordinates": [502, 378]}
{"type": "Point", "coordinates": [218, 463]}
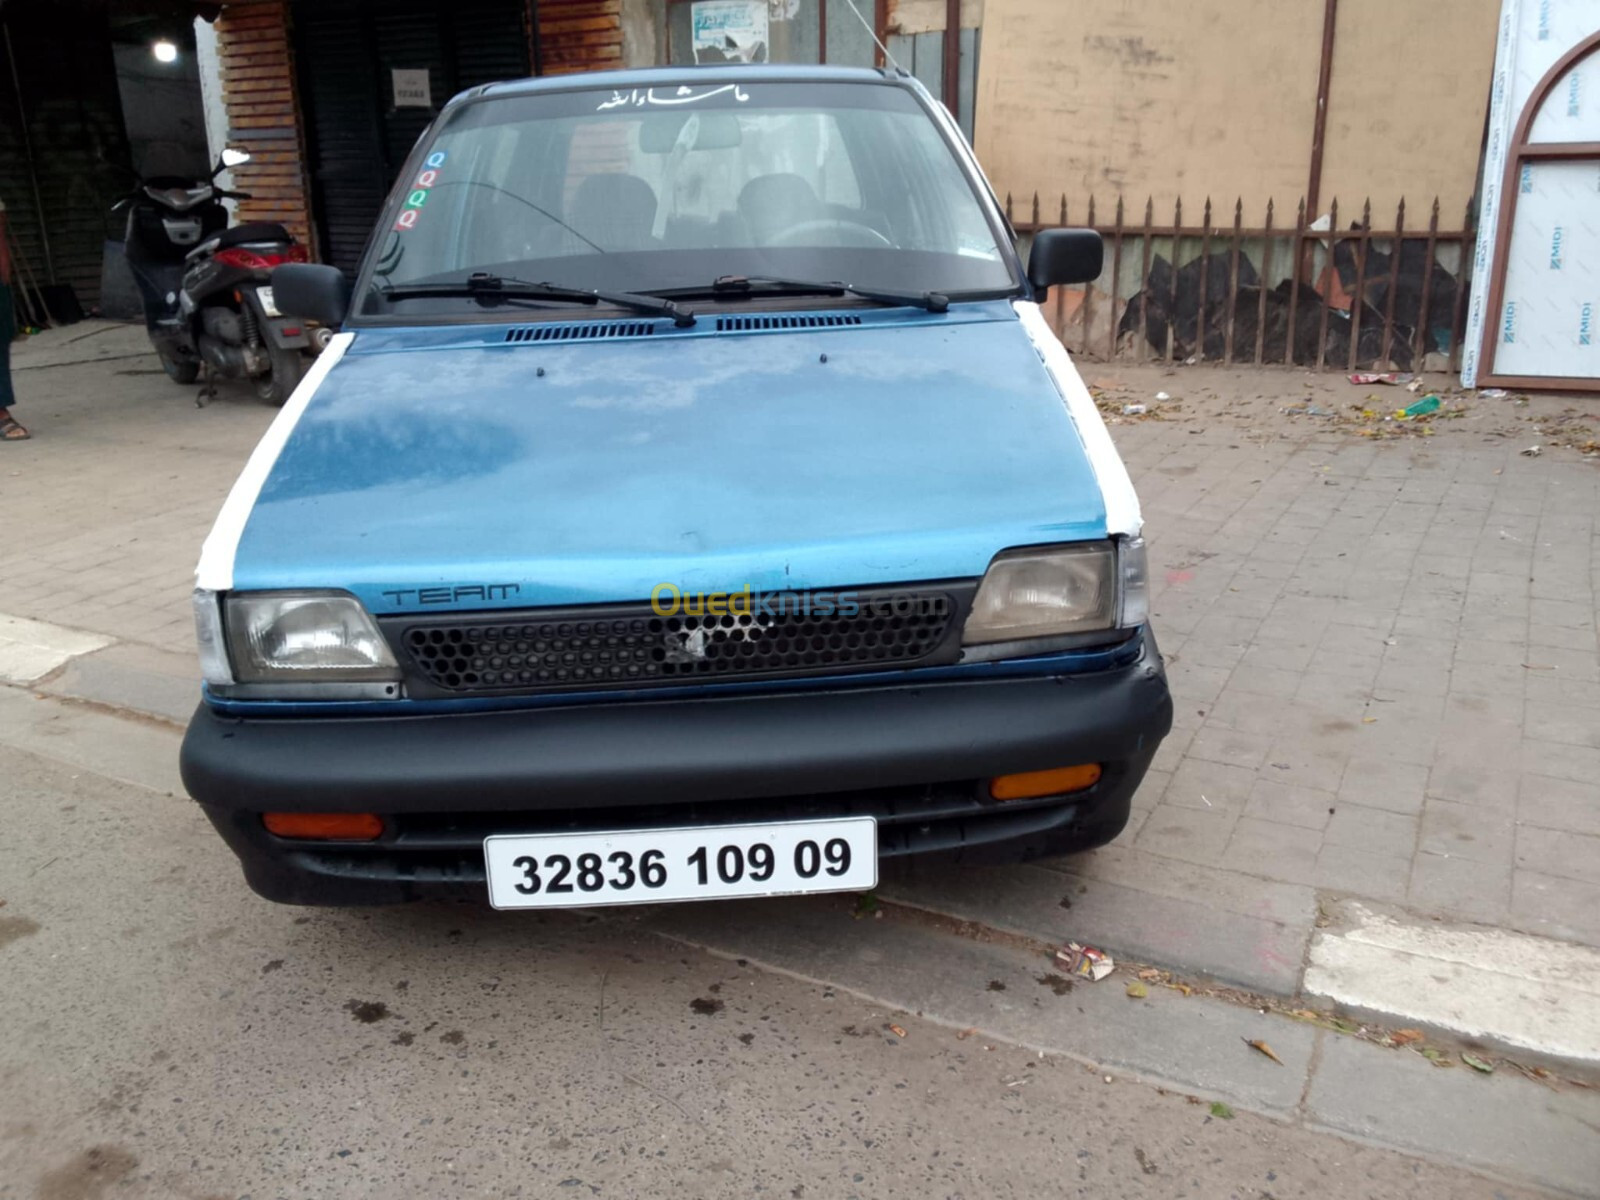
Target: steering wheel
{"type": "Point", "coordinates": [849, 233]}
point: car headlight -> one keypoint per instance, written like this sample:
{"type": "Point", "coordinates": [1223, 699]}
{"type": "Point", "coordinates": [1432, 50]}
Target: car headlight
{"type": "Point", "coordinates": [1060, 591]}
{"type": "Point", "coordinates": [274, 637]}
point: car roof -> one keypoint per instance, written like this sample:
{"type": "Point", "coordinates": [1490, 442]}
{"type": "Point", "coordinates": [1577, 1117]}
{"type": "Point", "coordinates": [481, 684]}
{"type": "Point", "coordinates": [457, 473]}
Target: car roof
{"type": "Point", "coordinates": [702, 76]}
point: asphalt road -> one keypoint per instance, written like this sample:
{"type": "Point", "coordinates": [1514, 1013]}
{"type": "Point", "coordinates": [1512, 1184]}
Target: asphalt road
{"type": "Point", "coordinates": [168, 1035]}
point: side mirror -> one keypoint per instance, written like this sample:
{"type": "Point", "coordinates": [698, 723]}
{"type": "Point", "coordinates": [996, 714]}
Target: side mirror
{"type": "Point", "coordinates": [1064, 256]}
{"type": "Point", "coordinates": [232, 157]}
{"type": "Point", "coordinates": [313, 291]}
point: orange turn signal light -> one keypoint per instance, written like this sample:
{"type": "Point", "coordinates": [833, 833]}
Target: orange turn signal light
{"type": "Point", "coordinates": [325, 827]}
{"type": "Point", "coordinates": [1032, 784]}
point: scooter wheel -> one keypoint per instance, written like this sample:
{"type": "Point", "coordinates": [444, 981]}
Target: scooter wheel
{"type": "Point", "coordinates": [180, 371]}
{"type": "Point", "coordinates": [287, 368]}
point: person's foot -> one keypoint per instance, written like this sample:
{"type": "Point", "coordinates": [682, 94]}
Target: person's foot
{"type": "Point", "coordinates": [10, 431]}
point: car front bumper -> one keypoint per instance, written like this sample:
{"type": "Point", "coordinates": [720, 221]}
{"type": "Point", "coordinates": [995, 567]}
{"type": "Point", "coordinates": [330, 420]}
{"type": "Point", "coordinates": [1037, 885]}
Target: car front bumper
{"type": "Point", "coordinates": [917, 756]}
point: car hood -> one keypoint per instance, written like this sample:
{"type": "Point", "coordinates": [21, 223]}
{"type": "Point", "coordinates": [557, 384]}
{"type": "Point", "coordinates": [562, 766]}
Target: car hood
{"type": "Point", "coordinates": [498, 472]}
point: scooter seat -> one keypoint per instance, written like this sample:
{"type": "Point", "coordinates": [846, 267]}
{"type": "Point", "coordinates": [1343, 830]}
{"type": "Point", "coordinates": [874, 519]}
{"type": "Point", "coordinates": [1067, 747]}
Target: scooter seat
{"type": "Point", "coordinates": [252, 231]}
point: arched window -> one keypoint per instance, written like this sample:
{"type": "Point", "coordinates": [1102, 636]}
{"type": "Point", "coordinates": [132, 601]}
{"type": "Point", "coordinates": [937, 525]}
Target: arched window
{"type": "Point", "coordinates": [1544, 302]}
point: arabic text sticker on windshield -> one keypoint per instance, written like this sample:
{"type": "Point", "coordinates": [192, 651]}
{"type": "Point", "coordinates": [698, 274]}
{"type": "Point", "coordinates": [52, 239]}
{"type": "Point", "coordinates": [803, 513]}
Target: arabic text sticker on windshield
{"type": "Point", "coordinates": [638, 98]}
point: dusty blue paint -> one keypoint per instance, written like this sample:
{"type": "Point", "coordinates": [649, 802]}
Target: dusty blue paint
{"type": "Point", "coordinates": [920, 449]}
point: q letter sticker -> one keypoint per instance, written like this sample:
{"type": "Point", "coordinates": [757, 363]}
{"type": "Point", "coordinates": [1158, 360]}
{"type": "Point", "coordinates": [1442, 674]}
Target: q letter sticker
{"type": "Point", "coordinates": [418, 195]}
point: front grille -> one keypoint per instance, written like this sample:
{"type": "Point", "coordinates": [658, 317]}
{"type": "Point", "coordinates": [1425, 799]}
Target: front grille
{"type": "Point", "coordinates": [628, 646]}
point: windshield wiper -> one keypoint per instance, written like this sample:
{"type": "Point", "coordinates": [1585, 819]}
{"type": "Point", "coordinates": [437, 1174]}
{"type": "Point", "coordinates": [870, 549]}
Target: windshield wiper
{"type": "Point", "coordinates": [490, 289]}
{"type": "Point", "coordinates": [936, 302]}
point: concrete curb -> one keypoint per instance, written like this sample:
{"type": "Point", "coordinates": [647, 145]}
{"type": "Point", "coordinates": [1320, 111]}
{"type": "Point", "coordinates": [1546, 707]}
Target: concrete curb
{"type": "Point", "coordinates": [1504, 1125]}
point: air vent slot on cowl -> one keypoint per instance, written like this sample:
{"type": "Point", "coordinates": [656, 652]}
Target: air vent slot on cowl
{"type": "Point", "coordinates": [786, 321]}
{"type": "Point", "coordinates": [580, 331]}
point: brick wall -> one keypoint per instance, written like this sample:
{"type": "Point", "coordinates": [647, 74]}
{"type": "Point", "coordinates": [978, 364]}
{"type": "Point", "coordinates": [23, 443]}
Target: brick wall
{"type": "Point", "coordinates": [578, 35]}
{"type": "Point", "coordinates": [264, 114]}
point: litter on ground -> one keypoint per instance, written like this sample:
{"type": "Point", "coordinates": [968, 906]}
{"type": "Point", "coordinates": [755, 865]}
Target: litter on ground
{"type": "Point", "coordinates": [1085, 962]}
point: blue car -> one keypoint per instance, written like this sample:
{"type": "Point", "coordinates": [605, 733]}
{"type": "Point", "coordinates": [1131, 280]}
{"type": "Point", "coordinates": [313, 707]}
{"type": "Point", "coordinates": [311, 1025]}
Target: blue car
{"type": "Point", "coordinates": [692, 503]}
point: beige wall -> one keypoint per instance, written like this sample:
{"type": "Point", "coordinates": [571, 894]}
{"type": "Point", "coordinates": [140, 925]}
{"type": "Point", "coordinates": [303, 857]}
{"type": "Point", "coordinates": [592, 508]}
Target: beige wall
{"type": "Point", "coordinates": [925, 16]}
{"type": "Point", "coordinates": [1406, 107]}
{"type": "Point", "coordinates": [1198, 98]}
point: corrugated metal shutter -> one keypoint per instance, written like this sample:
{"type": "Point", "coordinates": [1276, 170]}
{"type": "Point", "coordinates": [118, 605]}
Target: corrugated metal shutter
{"type": "Point", "coordinates": [73, 115]}
{"type": "Point", "coordinates": [338, 86]}
{"type": "Point", "coordinates": [579, 35]}
{"type": "Point", "coordinates": [346, 51]}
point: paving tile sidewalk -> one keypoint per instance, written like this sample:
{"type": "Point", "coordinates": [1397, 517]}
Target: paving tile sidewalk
{"type": "Point", "coordinates": [105, 507]}
{"type": "Point", "coordinates": [1384, 654]}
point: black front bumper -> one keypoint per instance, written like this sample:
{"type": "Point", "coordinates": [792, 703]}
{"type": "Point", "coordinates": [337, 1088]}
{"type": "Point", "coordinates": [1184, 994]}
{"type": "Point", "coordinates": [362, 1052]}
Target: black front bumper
{"type": "Point", "coordinates": [917, 757]}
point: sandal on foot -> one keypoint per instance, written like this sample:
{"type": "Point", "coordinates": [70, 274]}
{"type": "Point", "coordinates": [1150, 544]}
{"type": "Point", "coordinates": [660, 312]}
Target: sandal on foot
{"type": "Point", "coordinates": [11, 431]}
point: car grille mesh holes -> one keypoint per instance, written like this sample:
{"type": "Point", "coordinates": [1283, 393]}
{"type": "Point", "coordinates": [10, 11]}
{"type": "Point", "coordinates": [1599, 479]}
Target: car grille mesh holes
{"type": "Point", "coordinates": [545, 651]}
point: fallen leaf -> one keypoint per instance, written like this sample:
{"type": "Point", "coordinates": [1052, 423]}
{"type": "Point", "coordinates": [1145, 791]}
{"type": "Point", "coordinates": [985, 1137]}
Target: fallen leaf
{"type": "Point", "coordinates": [1137, 991]}
{"type": "Point", "coordinates": [1437, 1057]}
{"type": "Point", "coordinates": [1477, 1064]}
{"type": "Point", "coordinates": [1219, 1109]}
{"type": "Point", "coordinates": [1369, 720]}
{"type": "Point", "coordinates": [1537, 1074]}
{"type": "Point", "coordinates": [897, 1031]}
{"type": "Point", "coordinates": [1150, 974]}
{"type": "Point", "coordinates": [1262, 1048]}
{"type": "Point", "coordinates": [1404, 1037]}
{"type": "Point", "coordinates": [966, 1033]}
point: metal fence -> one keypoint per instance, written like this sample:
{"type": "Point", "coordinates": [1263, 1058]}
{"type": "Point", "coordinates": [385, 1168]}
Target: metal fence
{"type": "Point", "coordinates": [1315, 295]}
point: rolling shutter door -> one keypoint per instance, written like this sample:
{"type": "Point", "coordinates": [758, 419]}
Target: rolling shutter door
{"type": "Point", "coordinates": [345, 53]}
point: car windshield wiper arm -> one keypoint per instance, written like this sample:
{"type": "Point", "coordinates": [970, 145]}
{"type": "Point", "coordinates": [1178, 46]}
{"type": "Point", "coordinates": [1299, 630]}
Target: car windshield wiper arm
{"type": "Point", "coordinates": [936, 302]}
{"type": "Point", "coordinates": [488, 289]}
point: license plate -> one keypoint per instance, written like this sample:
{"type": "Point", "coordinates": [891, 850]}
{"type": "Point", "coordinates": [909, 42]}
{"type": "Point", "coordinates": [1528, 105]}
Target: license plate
{"type": "Point", "coordinates": [648, 866]}
{"type": "Point", "coordinates": [268, 304]}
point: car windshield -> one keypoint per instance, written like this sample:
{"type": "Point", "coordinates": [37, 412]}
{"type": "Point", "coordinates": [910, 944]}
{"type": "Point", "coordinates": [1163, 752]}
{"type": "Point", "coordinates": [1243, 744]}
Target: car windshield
{"type": "Point", "coordinates": [672, 188]}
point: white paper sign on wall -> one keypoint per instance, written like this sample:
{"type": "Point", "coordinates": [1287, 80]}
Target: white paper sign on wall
{"type": "Point", "coordinates": [729, 30]}
{"type": "Point", "coordinates": [411, 87]}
